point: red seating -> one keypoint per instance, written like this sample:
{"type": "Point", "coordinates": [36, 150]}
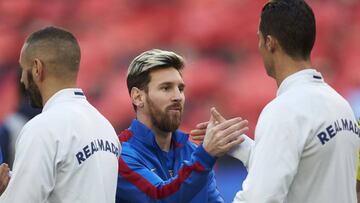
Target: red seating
{"type": "Point", "coordinates": [217, 38]}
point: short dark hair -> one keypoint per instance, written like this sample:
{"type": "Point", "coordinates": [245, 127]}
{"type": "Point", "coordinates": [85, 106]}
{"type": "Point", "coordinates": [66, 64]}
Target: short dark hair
{"type": "Point", "coordinates": [292, 23]}
{"type": "Point", "coordinates": [60, 43]}
{"type": "Point", "coordinates": [139, 70]}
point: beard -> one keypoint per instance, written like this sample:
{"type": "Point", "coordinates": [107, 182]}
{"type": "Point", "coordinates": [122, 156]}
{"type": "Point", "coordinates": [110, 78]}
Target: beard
{"type": "Point", "coordinates": [33, 92]}
{"type": "Point", "coordinates": [165, 121]}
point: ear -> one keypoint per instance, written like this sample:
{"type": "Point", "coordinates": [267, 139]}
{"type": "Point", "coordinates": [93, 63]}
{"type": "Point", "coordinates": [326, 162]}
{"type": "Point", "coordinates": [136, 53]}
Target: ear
{"type": "Point", "coordinates": [137, 97]}
{"type": "Point", "coordinates": [38, 70]}
{"type": "Point", "coordinates": [270, 43]}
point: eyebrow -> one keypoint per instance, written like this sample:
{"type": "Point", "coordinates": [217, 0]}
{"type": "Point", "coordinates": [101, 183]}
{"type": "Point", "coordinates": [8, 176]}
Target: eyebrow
{"type": "Point", "coordinates": [171, 83]}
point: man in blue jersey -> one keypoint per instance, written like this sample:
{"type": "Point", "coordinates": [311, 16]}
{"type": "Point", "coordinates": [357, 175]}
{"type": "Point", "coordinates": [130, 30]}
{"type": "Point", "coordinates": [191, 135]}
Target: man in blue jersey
{"type": "Point", "coordinates": [158, 163]}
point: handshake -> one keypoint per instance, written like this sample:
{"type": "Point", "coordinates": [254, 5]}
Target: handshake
{"type": "Point", "coordinates": [218, 134]}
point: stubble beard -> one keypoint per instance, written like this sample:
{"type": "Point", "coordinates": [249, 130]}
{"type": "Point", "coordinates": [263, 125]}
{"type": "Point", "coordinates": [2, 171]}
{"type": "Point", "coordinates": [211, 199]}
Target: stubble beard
{"type": "Point", "coordinates": [164, 121]}
{"type": "Point", "coordinates": [33, 92]}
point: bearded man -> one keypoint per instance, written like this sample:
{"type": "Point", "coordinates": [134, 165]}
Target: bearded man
{"type": "Point", "coordinates": [69, 152]}
{"type": "Point", "coordinates": [158, 163]}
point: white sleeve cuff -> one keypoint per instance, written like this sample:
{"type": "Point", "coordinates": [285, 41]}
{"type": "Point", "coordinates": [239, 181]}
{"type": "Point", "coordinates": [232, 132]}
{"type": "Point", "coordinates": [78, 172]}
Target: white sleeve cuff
{"type": "Point", "coordinates": [243, 151]}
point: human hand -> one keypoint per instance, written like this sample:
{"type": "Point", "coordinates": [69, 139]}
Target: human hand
{"type": "Point", "coordinates": [199, 132]}
{"type": "Point", "coordinates": [4, 177]}
{"type": "Point", "coordinates": [222, 135]}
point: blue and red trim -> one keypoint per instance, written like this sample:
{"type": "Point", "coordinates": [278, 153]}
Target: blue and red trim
{"type": "Point", "coordinates": [151, 190]}
{"type": "Point", "coordinates": [125, 135]}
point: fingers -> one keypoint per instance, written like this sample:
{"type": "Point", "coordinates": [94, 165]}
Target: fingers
{"type": "Point", "coordinates": [202, 125]}
{"type": "Point", "coordinates": [216, 115]}
{"type": "Point", "coordinates": [218, 140]}
{"type": "Point", "coordinates": [221, 134]}
{"type": "Point", "coordinates": [200, 131]}
{"type": "Point", "coordinates": [198, 138]}
{"type": "Point", "coordinates": [197, 132]}
{"type": "Point", "coordinates": [234, 143]}
{"type": "Point", "coordinates": [211, 122]}
{"type": "Point", "coordinates": [4, 170]}
{"type": "Point", "coordinates": [236, 127]}
{"type": "Point", "coordinates": [240, 129]}
{"type": "Point", "coordinates": [4, 177]}
{"type": "Point", "coordinates": [226, 124]}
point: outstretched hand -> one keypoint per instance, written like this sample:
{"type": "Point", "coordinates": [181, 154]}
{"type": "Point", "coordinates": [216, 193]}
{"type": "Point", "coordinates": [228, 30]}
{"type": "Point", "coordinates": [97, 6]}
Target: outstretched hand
{"type": "Point", "coordinates": [221, 135]}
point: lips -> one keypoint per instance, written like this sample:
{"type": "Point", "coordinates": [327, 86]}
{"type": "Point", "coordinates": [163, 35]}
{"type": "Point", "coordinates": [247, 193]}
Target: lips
{"type": "Point", "coordinates": [175, 107]}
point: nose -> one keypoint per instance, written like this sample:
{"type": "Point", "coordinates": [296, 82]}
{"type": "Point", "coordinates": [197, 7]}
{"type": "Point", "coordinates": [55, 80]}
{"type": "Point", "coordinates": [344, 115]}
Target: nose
{"type": "Point", "coordinates": [177, 95]}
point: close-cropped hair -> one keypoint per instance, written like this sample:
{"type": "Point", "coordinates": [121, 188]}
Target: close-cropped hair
{"type": "Point", "coordinates": [60, 46]}
{"type": "Point", "coordinates": [292, 23]}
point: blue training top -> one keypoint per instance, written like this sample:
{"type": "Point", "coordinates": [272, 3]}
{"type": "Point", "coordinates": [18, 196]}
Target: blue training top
{"type": "Point", "coordinates": [148, 174]}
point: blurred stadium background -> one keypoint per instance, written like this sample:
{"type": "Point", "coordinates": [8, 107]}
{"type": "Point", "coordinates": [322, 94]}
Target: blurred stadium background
{"type": "Point", "coordinates": [217, 38]}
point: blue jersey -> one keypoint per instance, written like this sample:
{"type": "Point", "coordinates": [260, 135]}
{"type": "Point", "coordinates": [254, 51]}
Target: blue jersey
{"type": "Point", "coordinates": [4, 142]}
{"type": "Point", "coordinates": [148, 174]}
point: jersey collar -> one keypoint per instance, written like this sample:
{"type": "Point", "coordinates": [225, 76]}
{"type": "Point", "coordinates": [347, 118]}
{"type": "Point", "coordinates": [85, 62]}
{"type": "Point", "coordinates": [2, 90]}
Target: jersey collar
{"type": "Point", "coordinates": [64, 94]}
{"type": "Point", "coordinates": [303, 76]}
{"type": "Point", "coordinates": [146, 135]}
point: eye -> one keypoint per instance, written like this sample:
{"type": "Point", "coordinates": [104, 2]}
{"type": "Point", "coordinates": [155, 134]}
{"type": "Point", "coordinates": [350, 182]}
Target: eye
{"type": "Point", "coordinates": [165, 88]}
{"type": "Point", "coordinates": [181, 88]}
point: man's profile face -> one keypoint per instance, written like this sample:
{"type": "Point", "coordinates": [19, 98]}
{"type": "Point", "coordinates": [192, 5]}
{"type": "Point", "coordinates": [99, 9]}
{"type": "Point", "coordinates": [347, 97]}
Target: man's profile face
{"type": "Point", "coordinates": [28, 81]}
{"type": "Point", "coordinates": [165, 99]}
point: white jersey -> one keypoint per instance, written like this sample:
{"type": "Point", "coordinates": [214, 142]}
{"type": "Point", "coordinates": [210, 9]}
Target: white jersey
{"type": "Point", "coordinates": [306, 146]}
{"type": "Point", "coordinates": [68, 153]}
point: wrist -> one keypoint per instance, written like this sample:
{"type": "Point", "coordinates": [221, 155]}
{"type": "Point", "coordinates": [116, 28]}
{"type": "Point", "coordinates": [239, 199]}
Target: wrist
{"type": "Point", "coordinates": [204, 157]}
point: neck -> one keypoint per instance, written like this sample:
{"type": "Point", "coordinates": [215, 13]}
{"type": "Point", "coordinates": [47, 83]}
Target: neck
{"type": "Point", "coordinates": [286, 66]}
{"type": "Point", "coordinates": [50, 89]}
{"type": "Point", "coordinates": [163, 139]}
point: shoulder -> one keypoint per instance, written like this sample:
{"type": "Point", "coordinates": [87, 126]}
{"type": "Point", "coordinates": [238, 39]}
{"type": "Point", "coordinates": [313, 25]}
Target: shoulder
{"type": "Point", "coordinates": [38, 130]}
{"type": "Point", "coordinates": [128, 148]}
{"type": "Point", "coordinates": [286, 113]}
{"type": "Point", "coordinates": [298, 101]}
{"type": "Point", "coordinates": [279, 108]}
{"type": "Point", "coordinates": [40, 123]}
{"type": "Point", "coordinates": [125, 135]}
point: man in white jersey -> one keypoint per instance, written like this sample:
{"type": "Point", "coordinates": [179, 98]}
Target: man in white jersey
{"type": "Point", "coordinates": [69, 152]}
{"type": "Point", "coordinates": [306, 139]}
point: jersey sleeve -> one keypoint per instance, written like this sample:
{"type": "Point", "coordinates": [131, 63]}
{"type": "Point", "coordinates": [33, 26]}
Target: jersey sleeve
{"type": "Point", "coordinates": [139, 184]}
{"type": "Point", "coordinates": [213, 192]}
{"type": "Point", "coordinates": [33, 172]}
{"type": "Point", "coordinates": [243, 151]}
{"type": "Point", "coordinates": [273, 163]}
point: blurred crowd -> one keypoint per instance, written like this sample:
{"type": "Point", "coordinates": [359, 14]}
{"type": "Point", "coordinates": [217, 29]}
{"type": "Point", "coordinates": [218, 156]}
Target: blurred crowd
{"type": "Point", "coordinates": [217, 38]}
